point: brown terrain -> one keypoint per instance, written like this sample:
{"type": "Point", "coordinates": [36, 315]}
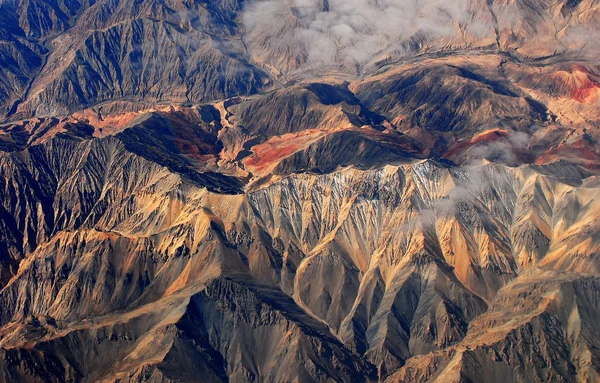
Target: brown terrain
{"type": "Point", "coordinates": [265, 192]}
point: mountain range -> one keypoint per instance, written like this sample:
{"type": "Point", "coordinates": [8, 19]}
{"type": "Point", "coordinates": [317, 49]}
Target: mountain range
{"type": "Point", "coordinates": [299, 191]}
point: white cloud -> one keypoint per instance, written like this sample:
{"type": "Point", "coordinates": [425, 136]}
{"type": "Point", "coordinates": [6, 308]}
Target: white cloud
{"type": "Point", "coordinates": [352, 32]}
{"type": "Point", "coordinates": [300, 35]}
{"type": "Point", "coordinates": [503, 150]}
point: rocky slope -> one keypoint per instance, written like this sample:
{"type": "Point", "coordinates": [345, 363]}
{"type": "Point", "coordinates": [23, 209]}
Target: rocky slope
{"type": "Point", "coordinates": [189, 195]}
{"type": "Point", "coordinates": [352, 273]}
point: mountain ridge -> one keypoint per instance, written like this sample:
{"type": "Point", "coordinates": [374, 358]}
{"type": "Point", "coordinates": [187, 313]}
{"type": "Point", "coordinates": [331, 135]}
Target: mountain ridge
{"type": "Point", "coordinates": [192, 192]}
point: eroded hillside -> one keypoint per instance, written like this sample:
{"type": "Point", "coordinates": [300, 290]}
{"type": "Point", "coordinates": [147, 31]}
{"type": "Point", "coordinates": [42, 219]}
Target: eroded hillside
{"type": "Point", "coordinates": [188, 194]}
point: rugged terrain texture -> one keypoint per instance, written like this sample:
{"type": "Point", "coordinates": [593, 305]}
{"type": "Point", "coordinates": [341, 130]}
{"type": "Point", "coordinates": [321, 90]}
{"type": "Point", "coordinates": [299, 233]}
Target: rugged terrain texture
{"type": "Point", "coordinates": [187, 195]}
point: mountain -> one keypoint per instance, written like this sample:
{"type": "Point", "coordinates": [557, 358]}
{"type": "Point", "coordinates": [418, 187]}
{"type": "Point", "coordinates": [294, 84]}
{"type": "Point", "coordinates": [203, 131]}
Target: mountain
{"type": "Point", "coordinates": [287, 190]}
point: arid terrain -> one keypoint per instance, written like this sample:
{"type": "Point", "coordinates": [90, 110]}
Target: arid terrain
{"type": "Point", "coordinates": [299, 191]}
